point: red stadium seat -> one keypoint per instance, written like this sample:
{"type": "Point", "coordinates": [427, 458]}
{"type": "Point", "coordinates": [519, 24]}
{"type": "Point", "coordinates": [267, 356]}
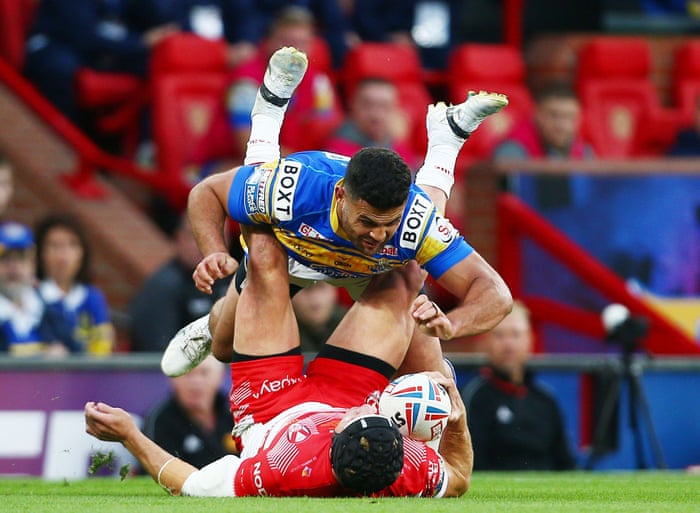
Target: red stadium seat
{"type": "Point", "coordinates": [117, 101]}
{"type": "Point", "coordinates": [188, 53]}
{"type": "Point", "coordinates": [320, 57]}
{"type": "Point", "coordinates": [686, 80]}
{"type": "Point", "coordinates": [623, 116]}
{"type": "Point", "coordinates": [188, 83]}
{"type": "Point", "coordinates": [489, 67]}
{"type": "Point", "coordinates": [16, 17]}
{"type": "Point", "coordinates": [401, 65]}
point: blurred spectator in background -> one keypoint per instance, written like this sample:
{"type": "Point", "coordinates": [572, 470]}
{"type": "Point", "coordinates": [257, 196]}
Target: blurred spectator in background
{"type": "Point", "coordinates": [662, 7]}
{"type": "Point", "coordinates": [104, 35]}
{"type": "Point", "coordinates": [313, 109]}
{"type": "Point", "coordinates": [169, 299]}
{"type": "Point", "coordinates": [554, 132]}
{"type": "Point", "coordinates": [194, 423]}
{"type": "Point", "coordinates": [687, 142]}
{"type": "Point", "coordinates": [237, 21]}
{"type": "Point", "coordinates": [428, 25]}
{"type": "Point", "coordinates": [374, 119]}
{"type": "Point", "coordinates": [6, 186]}
{"type": "Point", "coordinates": [24, 326]}
{"type": "Point", "coordinates": [331, 20]}
{"type": "Point", "coordinates": [318, 312]}
{"type": "Point", "coordinates": [78, 310]}
{"type": "Point", "coordinates": [515, 423]}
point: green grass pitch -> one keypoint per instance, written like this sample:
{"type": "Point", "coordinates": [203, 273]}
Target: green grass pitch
{"type": "Point", "coordinates": [571, 492]}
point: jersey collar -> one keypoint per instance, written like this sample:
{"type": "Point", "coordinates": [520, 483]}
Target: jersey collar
{"type": "Point", "coordinates": [335, 221]}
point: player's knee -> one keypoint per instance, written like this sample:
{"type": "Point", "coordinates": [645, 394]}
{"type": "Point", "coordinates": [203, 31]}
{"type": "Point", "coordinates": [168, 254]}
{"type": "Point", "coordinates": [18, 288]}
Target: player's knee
{"type": "Point", "coordinates": [403, 284]}
{"type": "Point", "coordinates": [215, 314]}
{"type": "Point", "coordinates": [265, 254]}
{"type": "Point", "coordinates": [412, 277]}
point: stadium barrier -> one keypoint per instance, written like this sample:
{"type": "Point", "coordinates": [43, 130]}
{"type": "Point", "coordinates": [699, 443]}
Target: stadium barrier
{"type": "Point", "coordinates": [42, 431]}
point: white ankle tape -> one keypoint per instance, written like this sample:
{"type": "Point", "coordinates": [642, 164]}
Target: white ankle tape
{"type": "Point", "coordinates": [263, 143]}
{"type": "Point", "coordinates": [438, 170]}
{"type": "Point", "coordinates": [259, 152]}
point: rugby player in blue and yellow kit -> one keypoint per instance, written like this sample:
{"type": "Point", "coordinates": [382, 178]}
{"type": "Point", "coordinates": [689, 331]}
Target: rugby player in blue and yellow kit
{"type": "Point", "coordinates": [343, 220]}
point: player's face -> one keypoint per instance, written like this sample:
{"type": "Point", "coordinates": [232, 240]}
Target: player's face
{"type": "Point", "coordinates": [368, 228]}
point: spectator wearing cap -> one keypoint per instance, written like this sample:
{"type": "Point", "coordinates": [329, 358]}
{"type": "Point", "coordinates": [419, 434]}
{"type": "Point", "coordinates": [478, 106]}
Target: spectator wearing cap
{"type": "Point", "coordinates": [24, 326]}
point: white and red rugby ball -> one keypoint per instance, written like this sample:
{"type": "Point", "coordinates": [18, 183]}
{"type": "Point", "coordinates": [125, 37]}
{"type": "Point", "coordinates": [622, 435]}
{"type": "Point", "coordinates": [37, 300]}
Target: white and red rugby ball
{"type": "Point", "coordinates": [417, 405]}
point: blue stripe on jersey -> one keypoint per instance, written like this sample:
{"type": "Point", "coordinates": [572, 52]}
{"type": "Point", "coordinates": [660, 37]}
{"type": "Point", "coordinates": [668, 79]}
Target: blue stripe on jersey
{"type": "Point", "coordinates": [296, 196]}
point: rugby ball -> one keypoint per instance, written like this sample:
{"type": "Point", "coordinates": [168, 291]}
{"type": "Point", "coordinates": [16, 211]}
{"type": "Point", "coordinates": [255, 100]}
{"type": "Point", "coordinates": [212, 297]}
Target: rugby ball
{"type": "Point", "coordinates": [417, 405]}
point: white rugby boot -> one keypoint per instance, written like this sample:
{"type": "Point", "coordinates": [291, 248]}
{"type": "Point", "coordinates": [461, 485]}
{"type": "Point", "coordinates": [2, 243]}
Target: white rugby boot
{"type": "Point", "coordinates": [187, 348]}
{"type": "Point", "coordinates": [448, 128]}
{"type": "Point", "coordinates": [285, 70]}
{"type": "Point", "coordinates": [454, 124]}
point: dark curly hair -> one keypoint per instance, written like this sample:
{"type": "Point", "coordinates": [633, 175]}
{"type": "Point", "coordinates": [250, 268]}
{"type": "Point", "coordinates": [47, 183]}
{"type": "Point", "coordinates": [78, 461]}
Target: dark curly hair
{"type": "Point", "coordinates": [378, 176]}
{"type": "Point", "coordinates": [367, 456]}
{"type": "Point", "coordinates": [73, 225]}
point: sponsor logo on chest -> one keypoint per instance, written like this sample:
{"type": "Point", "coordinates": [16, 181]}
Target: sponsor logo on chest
{"type": "Point", "coordinates": [414, 222]}
{"type": "Point", "coordinates": [287, 180]}
{"type": "Point", "coordinates": [310, 232]}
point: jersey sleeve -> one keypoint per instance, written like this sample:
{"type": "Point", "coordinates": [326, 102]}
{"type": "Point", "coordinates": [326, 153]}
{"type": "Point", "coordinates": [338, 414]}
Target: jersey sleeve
{"type": "Point", "coordinates": [97, 304]}
{"type": "Point", "coordinates": [264, 194]}
{"type": "Point", "coordinates": [423, 474]}
{"type": "Point", "coordinates": [283, 192]}
{"type": "Point", "coordinates": [442, 247]}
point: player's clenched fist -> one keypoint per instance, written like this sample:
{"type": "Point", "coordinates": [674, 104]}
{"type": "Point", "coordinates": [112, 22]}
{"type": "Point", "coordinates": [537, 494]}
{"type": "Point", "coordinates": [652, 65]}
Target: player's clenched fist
{"type": "Point", "coordinates": [213, 267]}
{"type": "Point", "coordinates": [431, 319]}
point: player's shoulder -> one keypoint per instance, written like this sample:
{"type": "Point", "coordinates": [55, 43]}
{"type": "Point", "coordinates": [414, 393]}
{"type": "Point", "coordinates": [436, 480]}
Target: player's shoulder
{"type": "Point", "coordinates": [320, 161]}
{"type": "Point", "coordinates": [421, 221]}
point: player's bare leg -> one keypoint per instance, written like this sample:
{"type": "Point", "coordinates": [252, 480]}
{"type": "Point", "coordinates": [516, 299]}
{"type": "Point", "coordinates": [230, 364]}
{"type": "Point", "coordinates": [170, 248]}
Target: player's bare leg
{"type": "Point", "coordinates": [266, 292]}
{"type": "Point", "coordinates": [193, 343]}
{"type": "Point", "coordinates": [379, 323]}
{"type": "Point", "coordinates": [284, 72]}
{"type": "Point", "coordinates": [448, 129]}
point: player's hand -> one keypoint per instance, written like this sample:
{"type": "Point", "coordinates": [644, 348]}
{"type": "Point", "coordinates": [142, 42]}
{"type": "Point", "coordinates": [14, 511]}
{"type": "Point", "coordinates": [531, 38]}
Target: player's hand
{"type": "Point", "coordinates": [213, 267]}
{"type": "Point", "coordinates": [458, 412]}
{"type": "Point", "coordinates": [107, 423]}
{"type": "Point", "coordinates": [431, 319]}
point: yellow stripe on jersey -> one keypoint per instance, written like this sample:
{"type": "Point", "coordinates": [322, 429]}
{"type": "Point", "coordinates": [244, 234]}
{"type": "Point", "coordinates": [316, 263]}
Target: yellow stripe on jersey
{"type": "Point", "coordinates": [328, 258]}
{"type": "Point", "coordinates": [335, 222]}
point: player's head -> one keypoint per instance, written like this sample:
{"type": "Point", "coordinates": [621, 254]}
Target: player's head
{"type": "Point", "coordinates": [367, 455]}
{"type": "Point", "coordinates": [372, 198]}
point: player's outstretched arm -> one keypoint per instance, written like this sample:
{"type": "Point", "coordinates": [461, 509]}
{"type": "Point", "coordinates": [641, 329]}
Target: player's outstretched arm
{"type": "Point", "coordinates": [206, 209]}
{"type": "Point", "coordinates": [484, 300]}
{"type": "Point", "coordinates": [456, 443]}
{"type": "Point", "coordinates": [115, 425]}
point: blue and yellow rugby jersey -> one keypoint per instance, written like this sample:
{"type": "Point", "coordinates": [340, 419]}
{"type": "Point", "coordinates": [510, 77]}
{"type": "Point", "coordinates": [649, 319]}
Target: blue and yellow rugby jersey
{"type": "Point", "coordinates": [295, 196]}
